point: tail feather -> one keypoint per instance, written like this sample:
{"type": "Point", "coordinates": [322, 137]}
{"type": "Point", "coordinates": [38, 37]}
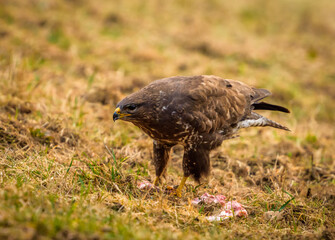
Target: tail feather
{"type": "Point", "coordinates": [260, 121]}
{"type": "Point", "coordinates": [268, 106]}
{"type": "Point", "coordinates": [274, 124]}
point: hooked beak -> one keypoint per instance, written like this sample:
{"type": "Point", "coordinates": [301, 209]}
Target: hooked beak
{"type": "Point", "coordinates": [118, 115]}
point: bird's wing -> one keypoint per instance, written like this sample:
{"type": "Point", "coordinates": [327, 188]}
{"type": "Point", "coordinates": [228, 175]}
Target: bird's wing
{"type": "Point", "coordinates": [218, 103]}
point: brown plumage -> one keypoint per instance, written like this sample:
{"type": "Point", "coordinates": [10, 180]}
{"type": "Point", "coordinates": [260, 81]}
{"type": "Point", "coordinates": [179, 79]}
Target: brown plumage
{"type": "Point", "coordinates": [198, 112]}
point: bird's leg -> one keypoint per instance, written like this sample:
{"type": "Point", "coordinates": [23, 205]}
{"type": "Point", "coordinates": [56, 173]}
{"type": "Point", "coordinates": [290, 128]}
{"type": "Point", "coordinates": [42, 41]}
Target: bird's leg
{"type": "Point", "coordinates": [161, 158]}
{"type": "Point", "coordinates": [156, 181]}
{"type": "Point", "coordinates": [180, 187]}
{"type": "Point", "coordinates": [195, 163]}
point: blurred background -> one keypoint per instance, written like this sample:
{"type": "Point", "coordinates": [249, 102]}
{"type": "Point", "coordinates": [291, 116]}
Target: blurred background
{"type": "Point", "coordinates": [56, 53]}
{"type": "Point", "coordinates": [64, 64]}
{"type": "Point", "coordinates": [119, 46]}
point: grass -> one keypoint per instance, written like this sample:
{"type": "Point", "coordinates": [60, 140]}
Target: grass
{"type": "Point", "coordinates": [68, 172]}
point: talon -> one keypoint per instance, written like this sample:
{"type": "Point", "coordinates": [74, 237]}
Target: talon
{"type": "Point", "coordinates": [180, 187]}
{"type": "Point", "coordinates": [170, 188]}
{"type": "Point", "coordinates": [156, 181]}
{"type": "Point", "coordinates": [178, 193]}
{"type": "Point", "coordinates": [173, 191]}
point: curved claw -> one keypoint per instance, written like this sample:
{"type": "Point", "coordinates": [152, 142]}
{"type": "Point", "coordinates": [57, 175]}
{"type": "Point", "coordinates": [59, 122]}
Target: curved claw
{"type": "Point", "coordinates": [178, 192]}
{"type": "Point", "coordinates": [156, 181]}
{"type": "Point", "coordinates": [180, 187]}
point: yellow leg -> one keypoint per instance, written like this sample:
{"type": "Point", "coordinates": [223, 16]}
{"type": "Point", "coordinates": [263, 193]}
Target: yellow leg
{"type": "Point", "coordinates": [180, 187]}
{"type": "Point", "coordinates": [156, 181]}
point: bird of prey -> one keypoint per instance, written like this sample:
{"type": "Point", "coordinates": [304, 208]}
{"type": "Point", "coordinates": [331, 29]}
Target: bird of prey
{"type": "Point", "coordinates": [197, 112]}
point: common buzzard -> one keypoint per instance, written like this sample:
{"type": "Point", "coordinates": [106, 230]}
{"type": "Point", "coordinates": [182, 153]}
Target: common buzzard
{"type": "Point", "coordinates": [198, 112]}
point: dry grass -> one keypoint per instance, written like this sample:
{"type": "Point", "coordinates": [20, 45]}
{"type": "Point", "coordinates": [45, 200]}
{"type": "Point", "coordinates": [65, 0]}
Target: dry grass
{"type": "Point", "coordinates": [65, 64]}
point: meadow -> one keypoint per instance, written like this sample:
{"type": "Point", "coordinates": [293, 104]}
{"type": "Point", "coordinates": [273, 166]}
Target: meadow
{"type": "Point", "coordinates": [67, 171]}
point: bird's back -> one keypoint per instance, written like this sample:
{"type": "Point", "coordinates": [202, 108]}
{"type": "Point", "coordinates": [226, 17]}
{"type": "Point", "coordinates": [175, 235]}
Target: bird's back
{"type": "Point", "coordinates": [206, 106]}
{"type": "Point", "coordinates": [208, 103]}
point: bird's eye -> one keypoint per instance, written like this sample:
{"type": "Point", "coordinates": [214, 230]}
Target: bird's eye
{"type": "Point", "coordinates": [131, 107]}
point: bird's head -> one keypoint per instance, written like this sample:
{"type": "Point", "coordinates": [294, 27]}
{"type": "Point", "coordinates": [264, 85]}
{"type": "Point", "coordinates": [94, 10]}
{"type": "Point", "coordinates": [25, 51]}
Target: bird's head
{"type": "Point", "coordinates": [133, 108]}
{"type": "Point", "coordinates": [143, 106]}
{"type": "Point", "coordinates": [127, 112]}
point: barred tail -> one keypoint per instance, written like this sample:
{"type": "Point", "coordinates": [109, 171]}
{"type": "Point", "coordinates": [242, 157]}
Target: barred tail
{"type": "Point", "coordinates": [274, 124]}
{"type": "Point", "coordinates": [260, 121]}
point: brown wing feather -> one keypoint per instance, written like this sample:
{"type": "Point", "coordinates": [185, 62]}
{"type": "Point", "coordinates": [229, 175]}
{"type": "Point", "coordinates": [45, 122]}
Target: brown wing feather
{"type": "Point", "coordinates": [268, 106]}
{"type": "Point", "coordinates": [203, 104]}
{"type": "Point", "coordinates": [258, 94]}
{"type": "Point", "coordinates": [217, 103]}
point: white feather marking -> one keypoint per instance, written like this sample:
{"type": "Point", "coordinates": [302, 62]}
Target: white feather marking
{"type": "Point", "coordinates": [179, 122]}
{"type": "Point", "coordinates": [252, 123]}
